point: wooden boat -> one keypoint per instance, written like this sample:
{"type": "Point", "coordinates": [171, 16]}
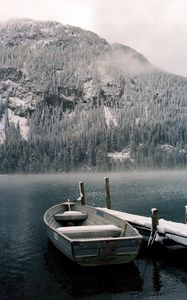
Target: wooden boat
{"type": "Point", "coordinates": [89, 236]}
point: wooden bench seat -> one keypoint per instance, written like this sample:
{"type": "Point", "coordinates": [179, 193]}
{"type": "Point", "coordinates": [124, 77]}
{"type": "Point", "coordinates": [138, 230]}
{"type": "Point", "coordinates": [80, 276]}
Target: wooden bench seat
{"type": "Point", "coordinates": [90, 231]}
{"type": "Point", "coordinates": [71, 216]}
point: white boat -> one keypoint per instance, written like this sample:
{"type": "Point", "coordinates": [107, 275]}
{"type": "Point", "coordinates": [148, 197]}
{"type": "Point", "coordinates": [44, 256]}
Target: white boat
{"type": "Point", "coordinates": [91, 237]}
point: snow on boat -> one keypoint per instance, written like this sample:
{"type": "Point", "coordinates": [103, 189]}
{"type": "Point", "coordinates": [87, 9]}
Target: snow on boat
{"type": "Point", "coordinates": [91, 237]}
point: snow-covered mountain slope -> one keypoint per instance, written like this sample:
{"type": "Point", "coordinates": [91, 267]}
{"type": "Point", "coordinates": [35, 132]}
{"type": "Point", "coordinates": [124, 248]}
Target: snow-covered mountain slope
{"type": "Point", "coordinates": [40, 59]}
{"type": "Point", "coordinates": [64, 86]}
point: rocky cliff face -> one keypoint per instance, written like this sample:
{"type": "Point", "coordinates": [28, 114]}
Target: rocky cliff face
{"type": "Point", "coordinates": [61, 65]}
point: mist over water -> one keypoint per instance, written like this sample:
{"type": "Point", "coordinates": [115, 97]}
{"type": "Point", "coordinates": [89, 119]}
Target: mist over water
{"type": "Point", "coordinates": [32, 268]}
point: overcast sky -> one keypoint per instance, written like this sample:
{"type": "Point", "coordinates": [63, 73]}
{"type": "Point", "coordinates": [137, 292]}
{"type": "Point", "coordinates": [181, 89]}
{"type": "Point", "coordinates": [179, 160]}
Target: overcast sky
{"type": "Point", "coordinates": [155, 28]}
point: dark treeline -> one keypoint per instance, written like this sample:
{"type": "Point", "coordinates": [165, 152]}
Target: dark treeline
{"type": "Point", "coordinates": [81, 140]}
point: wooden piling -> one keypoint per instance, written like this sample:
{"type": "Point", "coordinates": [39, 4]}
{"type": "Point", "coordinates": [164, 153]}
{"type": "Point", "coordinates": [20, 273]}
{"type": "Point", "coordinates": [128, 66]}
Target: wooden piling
{"type": "Point", "coordinates": [154, 223]}
{"type": "Point", "coordinates": [185, 217]}
{"type": "Point", "coordinates": [107, 193]}
{"type": "Point", "coordinates": [82, 194]}
{"type": "Point", "coordinates": [154, 217]}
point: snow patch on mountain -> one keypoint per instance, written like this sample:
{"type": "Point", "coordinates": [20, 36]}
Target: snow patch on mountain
{"type": "Point", "coordinates": [24, 128]}
{"type": "Point", "coordinates": [109, 118]}
{"type": "Point", "coordinates": [44, 42]}
{"type": "Point", "coordinates": [146, 112]}
{"type": "Point", "coordinates": [120, 156]}
{"type": "Point", "coordinates": [2, 130]}
{"type": "Point", "coordinates": [16, 103]}
{"type": "Point", "coordinates": [88, 90]}
{"type": "Point", "coordinates": [167, 147]}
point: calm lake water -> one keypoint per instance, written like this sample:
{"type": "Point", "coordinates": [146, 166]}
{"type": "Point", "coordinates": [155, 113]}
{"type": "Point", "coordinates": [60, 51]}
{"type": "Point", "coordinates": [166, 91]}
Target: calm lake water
{"type": "Point", "coordinates": [31, 268]}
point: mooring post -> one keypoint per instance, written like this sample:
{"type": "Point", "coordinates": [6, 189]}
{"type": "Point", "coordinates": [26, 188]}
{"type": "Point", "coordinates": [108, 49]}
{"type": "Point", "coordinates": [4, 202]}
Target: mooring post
{"type": "Point", "coordinates": [107, 193]}
{"type": "Point", "coordinates": [154, 217]}
{"type": "Point", "coordinates": [154, 223]}
{"type": "Point", "coordinates": [185, 218]}
{"type": "Point", "coordinates": [82, 194]}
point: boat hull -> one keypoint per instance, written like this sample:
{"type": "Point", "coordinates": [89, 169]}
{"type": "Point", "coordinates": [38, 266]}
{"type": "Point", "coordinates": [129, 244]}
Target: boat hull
{"type": "Point", "coordinates": [89, 250]}
{"type": "Point", "coordinates": [97, 252]}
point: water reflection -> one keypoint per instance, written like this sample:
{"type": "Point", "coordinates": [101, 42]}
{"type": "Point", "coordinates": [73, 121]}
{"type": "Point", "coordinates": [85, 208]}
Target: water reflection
{"type": "Point", "coordinates": [81, 281]}
{"type": "Point", "coordinates": [163, 270]}
{"type": "Point", "coordinates": [152, 273]}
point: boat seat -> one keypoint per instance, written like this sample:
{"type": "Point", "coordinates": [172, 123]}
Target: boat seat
{"type": "Point", "coordinates": [71, 215]}
{"type": "Point", "coordinates": [90, 231]}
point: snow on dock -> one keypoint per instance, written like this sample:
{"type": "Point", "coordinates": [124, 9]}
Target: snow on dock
{"type": "Point", "coordinates": [173, 231]}
{"type": "Point", "coordinates": [151, 228]}
{"type": "Point", "coordinates": [135, 219]}
{"type": "Point", "coordinates": [167, 230]}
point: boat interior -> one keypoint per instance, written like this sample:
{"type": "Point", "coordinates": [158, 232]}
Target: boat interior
{"type": "Point", "coordinates": [84, 222]}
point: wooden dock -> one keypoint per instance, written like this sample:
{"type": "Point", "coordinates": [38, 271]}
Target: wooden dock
{"type": "Point", "coordinates": [151, 228]}
{"type": "Point", "coordinates": [165, 230]}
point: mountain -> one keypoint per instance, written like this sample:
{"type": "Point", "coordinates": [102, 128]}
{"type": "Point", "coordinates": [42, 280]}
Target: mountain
{"type": "Point", "coordinates": [70, 100]}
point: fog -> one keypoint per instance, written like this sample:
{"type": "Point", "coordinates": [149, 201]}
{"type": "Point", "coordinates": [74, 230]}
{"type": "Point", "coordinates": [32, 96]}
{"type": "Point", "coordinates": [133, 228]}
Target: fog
{"type": "Point", "coordinates": [155, 28]}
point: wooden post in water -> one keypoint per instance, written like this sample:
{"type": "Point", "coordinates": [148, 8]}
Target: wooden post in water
{"type": "Point", "coordinates": [82, 194]}
{"type": "Point", "coordinates": [107, 193]}
{"type": "Point", "coordinates": [154, 217]}
{"type": "Point", "coordinates": [185, 219]}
